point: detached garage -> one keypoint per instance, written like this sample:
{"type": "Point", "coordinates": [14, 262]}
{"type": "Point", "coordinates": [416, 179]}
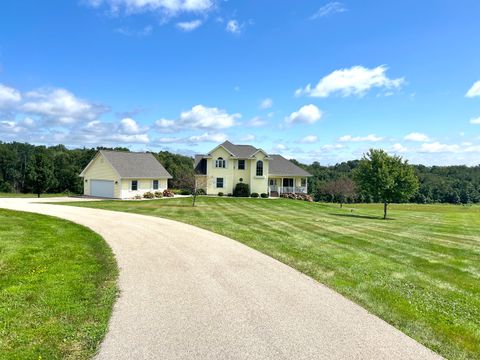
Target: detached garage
{"type": "Point", "coordinates": [123, 175]}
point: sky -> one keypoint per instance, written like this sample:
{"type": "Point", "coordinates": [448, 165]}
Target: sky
{"type": "Point", "coordinates": [311, 80]}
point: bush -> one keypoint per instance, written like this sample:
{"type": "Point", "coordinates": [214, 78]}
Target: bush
{"type": "Point", "coordinates": [168, 193]}
{"type": "Point", "coordinates": [184, 192]}
{"type": "Point", "coordinates": [304, 197]}
{"type": "Point", "coordinates": [201, 192]}
{"type": "Point", "coordinates": [229, 194]}
{"type": "Point", "coordinates": [241, 190]}
{"type": "Point", "coordinates": [158, 194]}
{"type": "Point", "coordinates": [138, 197]}
{"type": "Point", "coordinates": [264, 195]}
{"type": "Point", "coordinates": [148, 195]}
{"type": "Point", "coordinates": [254, 195]}
{"type": "Point", "coordinates": [220, 193]}
{"type": "Point", "coordinates": [175, 191]}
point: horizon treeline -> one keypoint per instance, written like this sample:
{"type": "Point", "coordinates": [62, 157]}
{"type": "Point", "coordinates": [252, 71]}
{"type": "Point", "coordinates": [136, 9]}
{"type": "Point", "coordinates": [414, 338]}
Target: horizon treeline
{"type": "Point", "coordinates": [438, 184]}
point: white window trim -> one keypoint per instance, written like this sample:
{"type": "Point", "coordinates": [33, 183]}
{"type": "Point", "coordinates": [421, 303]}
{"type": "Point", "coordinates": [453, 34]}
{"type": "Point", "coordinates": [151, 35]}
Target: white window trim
{"type": "Point", "coordinates": [216, 183]}
{"type": "Point", "coordinates": [158, 184]}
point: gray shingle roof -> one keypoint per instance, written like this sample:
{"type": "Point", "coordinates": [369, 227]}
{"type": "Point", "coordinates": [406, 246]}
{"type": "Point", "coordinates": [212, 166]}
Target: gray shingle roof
{"type": "Point", "coordinates": [135, 165]}
{"type": "Point", "coordinates": [241, 151]}
{"type": "Point", "coordinates": [278, 165]}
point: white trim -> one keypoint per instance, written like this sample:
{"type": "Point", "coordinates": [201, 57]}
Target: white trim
{"type": "Point", "coordinates": [221, 145]}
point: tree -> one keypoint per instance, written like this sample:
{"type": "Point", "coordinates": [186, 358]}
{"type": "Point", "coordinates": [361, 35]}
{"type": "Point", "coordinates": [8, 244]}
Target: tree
{"type": "Point", "coordinates": [40, 172]}
{"type": "Point", "coordinates": [386, 178]}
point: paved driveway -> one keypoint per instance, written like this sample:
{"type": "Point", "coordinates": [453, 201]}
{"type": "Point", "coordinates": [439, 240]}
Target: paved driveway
{"type": "Point", "coordinates": [187, 293]}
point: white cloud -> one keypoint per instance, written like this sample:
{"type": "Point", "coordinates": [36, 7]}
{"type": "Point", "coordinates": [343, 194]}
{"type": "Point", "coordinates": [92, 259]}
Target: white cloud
{"type": "Point", "coordinates": [257, 121]}
{"type": "Point", "coordinates": [266, 103]}
{"type": "Point", "coordinates": [307, 114]}
{"type": "Point", "coordinates": [328, 9]}
{"type": "Point", "coordinates": [357, 81]}
{"type": "Point", "coordinates": [415, 136]}
{"type": "Point", "coordinates": [146, 31]}
{"type": "Point", "coordinates": [330, 147]}
{"type": "Point", "coordinates": [166, 7]}
{"type": "Point", "coordinates": [61, 106]}
{"type": "Point", "coordinates": [309, 139]}
{"type": "Point", "coordinates": [189, 25]}
{"type": "Point", "coordinates": [280, 147]}
{"type": "Point", "coordinates": [474, 90]}
{"type": "Point", "coordinates": [130, 127]}
{"type": "Point", "coordinates": [398, 148]}
{"type": "Point", "coordinates": [368, 138]}
{"type": "Point", "coordinates": [208, 137]}
{"type": "Point", "coordinates": [199, 117]}
{"type": "Point", "coordinates": [437, 147]}
{"type": "Point", "coordinates": [475, 121]}
{"type": "Point", "coordinates": [234, 27]}
{"type": "Point", "coordinates": [9, 96]}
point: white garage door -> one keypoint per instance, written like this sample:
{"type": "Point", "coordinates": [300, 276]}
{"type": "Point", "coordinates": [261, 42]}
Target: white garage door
{"type": "Point", "coordinates": [102, 188]}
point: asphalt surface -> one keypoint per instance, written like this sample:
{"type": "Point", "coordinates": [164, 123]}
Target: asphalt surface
{"type": "Point", "coordinates": [187, 293]}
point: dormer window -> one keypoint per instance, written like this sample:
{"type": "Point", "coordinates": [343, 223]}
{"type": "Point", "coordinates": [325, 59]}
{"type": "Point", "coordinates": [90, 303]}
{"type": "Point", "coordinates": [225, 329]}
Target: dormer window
{"type": "Point", "coordinates": [220, 163]}
{"type": "Point", "coordinates": [259, 168]}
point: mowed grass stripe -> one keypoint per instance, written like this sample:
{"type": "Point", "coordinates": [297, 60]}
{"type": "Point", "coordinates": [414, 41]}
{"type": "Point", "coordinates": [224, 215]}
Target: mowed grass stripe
{"type": "Point", "coordinates": [418, 271]}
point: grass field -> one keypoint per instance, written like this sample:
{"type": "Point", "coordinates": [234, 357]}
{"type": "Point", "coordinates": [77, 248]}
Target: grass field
{"type": "Point", "coordinates": [57, 288]}
{"type": "Point", "coordinates": [21, 195]}
{"type": "Point", "coordinates": [420, 271]}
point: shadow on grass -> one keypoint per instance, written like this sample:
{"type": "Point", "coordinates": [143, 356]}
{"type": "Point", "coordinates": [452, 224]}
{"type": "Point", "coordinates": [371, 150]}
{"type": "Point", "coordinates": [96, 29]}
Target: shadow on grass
{"type": "Point", "coordinates": [361, 216]}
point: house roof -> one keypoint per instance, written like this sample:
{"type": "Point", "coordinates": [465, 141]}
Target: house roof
{"type": "Point", "coordinates": [278, 165]}
{"type": "Point", "coordinates": [135, 164]}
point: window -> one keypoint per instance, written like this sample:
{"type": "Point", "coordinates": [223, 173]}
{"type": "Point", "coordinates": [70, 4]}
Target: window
{"type": "Point", "coordinates": [155, 184]}
{"type": "Point", "coordinates": [271, 182]}
{"type": "Point", "coordinates": [259, 168]}
{"type": "Point", "coordinates": [220, 163]}
{"type": "Point", "coordinates": [304, 182]}
{"type": "Point", "coordinates": [241, 164]}
{"type": "Point", "coordinates": [288, 182]}
{"type": "Point", "coordinates": [134, 185]}
{"type": "Point", "coordinates": [219, 182]}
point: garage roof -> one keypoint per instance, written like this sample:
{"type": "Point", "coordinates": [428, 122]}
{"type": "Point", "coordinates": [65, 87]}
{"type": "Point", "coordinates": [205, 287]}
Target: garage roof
{"type": "Point", "coordinates": [135, 164]}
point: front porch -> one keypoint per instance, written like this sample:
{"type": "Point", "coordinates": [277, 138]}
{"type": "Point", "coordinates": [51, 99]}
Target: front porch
{"type": "Point", "coordinates": [284, 185]}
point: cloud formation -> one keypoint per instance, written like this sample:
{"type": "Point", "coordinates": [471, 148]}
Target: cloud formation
{"type": "Point", "coordinates": [189, 25]}
{"type": "Point", "coordinates": [199, 117]}
{"type": "Point", "coordinates": [309, 139]}
{"type": "Point", "coordinates": [166, 7]}
{"type": "Point", "coordinates": [368, 138]}
{"type": "Point", "coordinates": [474, 90]}
{"type": "Point", "coordinates": [307, 114]}
{"type": "Point", "coordinates": [329, 9]}
{"type": "Point", "coordinates": [415, 136]}
{"type": "Point", "coordinates": [355, 81]}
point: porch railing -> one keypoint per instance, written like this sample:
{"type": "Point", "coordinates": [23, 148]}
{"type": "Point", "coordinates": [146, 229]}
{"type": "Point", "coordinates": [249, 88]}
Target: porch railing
{"type": "Point", "coordinates": [287, 189]}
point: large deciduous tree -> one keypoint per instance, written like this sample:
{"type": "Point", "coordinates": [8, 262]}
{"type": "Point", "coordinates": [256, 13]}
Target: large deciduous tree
{"type": "Point", "coordinates": [40, 172]}
{"type": "Point", "coordinates": [386, 178]}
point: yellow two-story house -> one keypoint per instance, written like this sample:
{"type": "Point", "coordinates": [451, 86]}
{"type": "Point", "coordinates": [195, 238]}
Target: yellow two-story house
{"type": "Point", "coordinates": [228, 164]}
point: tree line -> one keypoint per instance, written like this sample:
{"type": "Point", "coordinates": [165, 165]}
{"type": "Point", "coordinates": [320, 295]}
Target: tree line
{"type": "Point", "coordinates": [26, 167]}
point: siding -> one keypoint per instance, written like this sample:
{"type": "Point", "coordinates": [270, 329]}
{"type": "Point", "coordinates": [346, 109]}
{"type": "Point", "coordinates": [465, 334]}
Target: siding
{"type": "Point", "coordinates": [100, 169]}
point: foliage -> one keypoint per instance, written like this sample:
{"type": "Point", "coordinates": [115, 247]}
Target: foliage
{"type": "Point", "coordinates": [158, 194]}
{"type": "Point", "coordinates": [418, 273]}
{"type": "Point", "coordinates": [168, 193]}
{"type": "Point", "coordinates": [241, 190]}
{"type": "Point", "coordinates": [40, 174]}
{"type": "Point", "coordinates": [340, 190]}
{"type": "Point", "coordinates": [220, 194]}
{"type": "Point", "coordinates": [386, 178]}
{"type": "Point", "coordinates": [264, 195]}
{"type": "Point", "coordinates": [181, 169]}
{"type": "Point", "coordinates": [57, 288]}
{"type": "Point", "coordinates": [149, 195]}
{"type": "Point", "coordinates": [254, 195]}
{"type": "Point", "coordinates": [201, 192]}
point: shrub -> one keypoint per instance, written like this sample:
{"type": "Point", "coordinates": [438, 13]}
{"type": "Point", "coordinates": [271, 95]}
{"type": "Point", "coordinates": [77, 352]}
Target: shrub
{"type": "Point", "coordinates": [264, 195]}
{"type": "Point", "coordinates": [175, 191]}
{"type": "Point", "coordinates": [304, 197]}
{"type": "Point", "coordinates": [158, 194]}
{"type": "Point", "coordinates": [148, 195]}
{"type": "Point", "coordinates": [201, 192]}
{"type": "Point", "coordinates": [138, 197]}
{"type": "Point", "coordinates": [220, 193]}
{"type": "Point", "coordinates": [241, 190]}
{"type": "Point", "coordinates": [229, 194]}
{"type": "Point", "coordinates": [254, 195]}
{"type": "Point", "coordinates": [168, 193]}
{"type": "Point", "coordinates": [184, 192]}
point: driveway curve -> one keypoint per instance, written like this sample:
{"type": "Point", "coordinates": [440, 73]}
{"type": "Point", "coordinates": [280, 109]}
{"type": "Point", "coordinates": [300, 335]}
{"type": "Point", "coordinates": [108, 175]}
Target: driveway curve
{"type": "Point", "coordinates": [187, 293]}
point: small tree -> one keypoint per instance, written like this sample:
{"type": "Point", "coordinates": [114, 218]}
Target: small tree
{"type": "Point", "coordinates": [40, 172]}
{"type": "Point", "coordinates": [339, 190]}
{"type": "Point", "coordinates": [241, 190]}
{"type": "Point", "coordinates": [386, 178]}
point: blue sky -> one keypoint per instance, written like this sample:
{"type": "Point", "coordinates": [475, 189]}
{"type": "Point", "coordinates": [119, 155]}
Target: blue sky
{"type": "Point", "coordinates": [313, 80]}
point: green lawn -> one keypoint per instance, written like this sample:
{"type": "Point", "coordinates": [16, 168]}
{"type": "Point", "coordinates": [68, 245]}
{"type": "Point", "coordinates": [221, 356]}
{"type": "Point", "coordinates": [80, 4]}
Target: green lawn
{"type": "Point", "coordinates": [21, 195]}
{"type": "Point", "coordinates": [57, 288]}
{"type": "Point", "coordinates": [420, 271]}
